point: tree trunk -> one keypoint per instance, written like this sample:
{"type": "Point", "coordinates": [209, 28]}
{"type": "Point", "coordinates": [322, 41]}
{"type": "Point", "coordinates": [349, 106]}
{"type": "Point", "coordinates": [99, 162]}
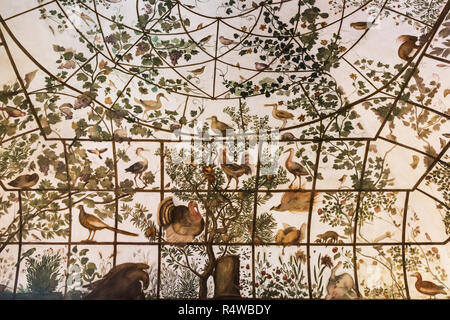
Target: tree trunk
{"type": "Point", "coordinates": [203, 290]}
{"type": "Point", "coordinates": [226, 277]}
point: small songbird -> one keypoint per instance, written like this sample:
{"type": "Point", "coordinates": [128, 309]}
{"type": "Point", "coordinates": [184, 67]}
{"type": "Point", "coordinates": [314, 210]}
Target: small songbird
{"type": "Point", "coordinates": [198, 71]}
{"type": "Point", "coordinates": [427, 287]}
{"type": "Point", "coordinates": [205, 39]}
{"type": "Point", "coordinates": [13, 112]}
{"type": "Point", "coordinates": [360, 25]}
{"type": "Point", "coordinates": [226, 41]}
{"type": "Point", "coordinates": [98, 152]}
{"type": "Point", "coordinates": [92, 223]}
{"type": "Point", "coordinates": [25, 181]}
{"type": "Point", "coordinates": [181, 223]}
{"type": "Point", "coordinates": [261, 66]}
{"type": "Point", "coordinates": [84, 17]}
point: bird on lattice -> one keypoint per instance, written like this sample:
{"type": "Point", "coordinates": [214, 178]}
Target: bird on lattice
{"type": "Point", "coordinates": [25, 181]}
{"type": "Point", "coordinates": [181, 223]}
{"type": "Point", "coordinates": [295, 168]}
{"type": "Point", "coordinates": [233, 170]}
{"type": "Point", "coordinates": [92, 223]}
{"type": "Point", "coordinates": [138, 168]}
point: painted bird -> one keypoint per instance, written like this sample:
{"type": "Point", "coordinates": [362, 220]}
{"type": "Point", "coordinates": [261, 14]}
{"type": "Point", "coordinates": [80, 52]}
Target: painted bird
{"type": "Point", "coordinates": [66, 110]}
{"type": "Point", "coordinates": [150, 105]}
{"type": "Point", "coordinates": [295, 168]}
{"type": "Point", "coordinates": [233, 170]}
{"type": "Point", "coordinates": [25, 181]}
{"type": "Point", "coordinates": [181, 223]}
{"type": "Point", "coordinates": [29, 77]}
{"type": "Point", "coordinates": [219, 125]}
{"type": "Point", "coordinates": [427, 287]}
{"type": "Point", "coordinates": [92, 223]}
{"type": "Point", "coordinates": [138, 168]}
{"type": "Point", "coordinates": [198, 71]}
{"type": "Point", "coordinates": [226, 41]}
{"type": "Point", "coordinates": [261, 66]}
{"type": "Point", "coordinates": [280, 114]}
{"type": "Point", "coordinates": [295, 201]}
{"type": "Point", "coordinates": [362, 25]}
{"type": "Point", "coordinates": [98, 152]}
{"type": "Point", "coordinates": [13, 112]}
{"type": "Point", "coordinates": [121, 135]}
{"type": "Point", "coordinates": [290, 235]}
{"type": "Point", "coordinates": [205, 39]}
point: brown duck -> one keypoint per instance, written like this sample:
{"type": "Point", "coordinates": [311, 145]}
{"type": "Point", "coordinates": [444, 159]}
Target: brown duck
{"type": "Point", "coordinates": [427, 287]}
{"type": "Point", "coordinates": [92, 223]}
{"type": "Point", "coordinates": [25, 181]}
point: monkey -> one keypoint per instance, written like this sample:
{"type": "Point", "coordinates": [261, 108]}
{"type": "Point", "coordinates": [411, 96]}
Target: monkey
{"type": "Point", "coordinates": [329, 237]}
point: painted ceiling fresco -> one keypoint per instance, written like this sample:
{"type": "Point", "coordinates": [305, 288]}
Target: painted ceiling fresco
{"type": "Point", "coordinates": [160, 149]}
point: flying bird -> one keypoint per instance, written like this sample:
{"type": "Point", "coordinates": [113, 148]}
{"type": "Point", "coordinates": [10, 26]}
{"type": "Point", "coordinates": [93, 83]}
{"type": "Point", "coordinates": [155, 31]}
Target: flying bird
{"type": "Point", "coordinates": [181, 223]}
{"type": "Point", "coordinates": [98, 152]}
{"type": "Point", "coordinates": [92, 223]}
{"type": "Point", "coordinates": [25, 181]}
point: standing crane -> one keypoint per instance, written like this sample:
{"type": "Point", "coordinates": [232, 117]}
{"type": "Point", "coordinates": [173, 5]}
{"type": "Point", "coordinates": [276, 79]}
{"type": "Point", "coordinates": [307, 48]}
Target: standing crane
{"type": "Point", "coordinates": [138, 168]}
{"type": "Point", "coordinates": [295, 168]}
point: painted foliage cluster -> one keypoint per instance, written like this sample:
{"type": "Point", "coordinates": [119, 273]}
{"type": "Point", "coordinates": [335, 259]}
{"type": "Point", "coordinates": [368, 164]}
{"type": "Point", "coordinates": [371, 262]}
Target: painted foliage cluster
{"type": "Point", "coordinates": [119, 181]}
